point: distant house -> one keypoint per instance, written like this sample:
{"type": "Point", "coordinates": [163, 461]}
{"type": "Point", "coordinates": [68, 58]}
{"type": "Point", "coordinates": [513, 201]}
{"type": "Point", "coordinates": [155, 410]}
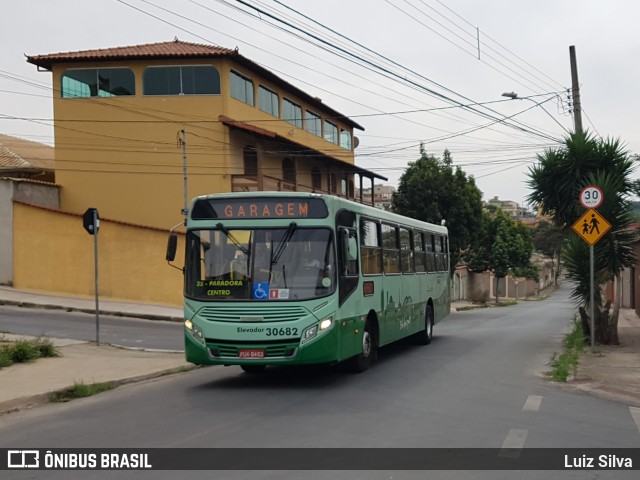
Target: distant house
{"type": "Point", "coordinates": [132, 122]}
{"type": "Point", "coordinates": [20, 158]}
{"type": "Point", "coordinates": [511, 208]}
{"type": "Point", "coordinates": [382, 195]}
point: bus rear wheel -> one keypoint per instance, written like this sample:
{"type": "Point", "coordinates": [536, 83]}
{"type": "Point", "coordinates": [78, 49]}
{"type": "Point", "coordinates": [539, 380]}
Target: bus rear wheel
{"type": "Point", "coordinates": [424, 337]}
{"type": "Point", "coordinates": [363, 361]}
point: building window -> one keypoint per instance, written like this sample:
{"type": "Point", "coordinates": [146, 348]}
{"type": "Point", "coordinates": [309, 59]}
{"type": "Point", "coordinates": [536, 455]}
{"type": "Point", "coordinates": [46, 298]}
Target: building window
{"type": "Point", "coordinates": [312, 123]}
{"type": "Point", "coordinates": [330, 132]}
{"type": "Point", "coordinates": [181, 80]}
{"type": "Point", "coordinates": [98, 82]}
{"type": "Point", "coordinates": [289, 170]}
{"type": "Point", "coordinates": [241, 88]}
{"type": "Point", "coordinates": [250, 160]}
{"type": "Point", "coordinates": [268, 101]}
{"type": "Point", "coordinates": [316, 178]}
{"type": "Point", "coordinates": [345, 139]}
{"type": "Point", "coordinates": [291, 113]}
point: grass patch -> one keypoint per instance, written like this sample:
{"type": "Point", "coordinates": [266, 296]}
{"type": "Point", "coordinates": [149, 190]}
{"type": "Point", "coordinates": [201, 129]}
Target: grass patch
{"type": "Point", "coordinates": [507, 303]}
{"type": "Point", "coordinates": [567, 362]}
{"type": "Point", "coordinates": [471, 307]}
{"type": "Point", "coordinates": [80, 390]}
{"type": "Point", "coordinates": [22, 351]}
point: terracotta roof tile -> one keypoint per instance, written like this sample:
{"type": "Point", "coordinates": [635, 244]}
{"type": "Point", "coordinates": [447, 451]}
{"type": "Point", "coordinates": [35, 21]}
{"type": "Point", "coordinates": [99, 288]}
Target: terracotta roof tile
{"type": "Point", "coordinates": [19, 154]}
{"type": "Point", "coordinates": [150, 50]}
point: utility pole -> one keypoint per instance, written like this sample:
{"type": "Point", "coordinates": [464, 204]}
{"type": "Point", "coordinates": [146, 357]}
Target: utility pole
{"type": "Point", "coordinates": [183, 142]}
{"type": "Point", "coordinates": [575, 87]}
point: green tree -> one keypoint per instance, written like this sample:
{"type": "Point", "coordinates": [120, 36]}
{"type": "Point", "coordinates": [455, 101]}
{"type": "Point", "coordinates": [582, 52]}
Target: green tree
{"type": "Point", "coordinates": [548, 239]}
{"type": "Point", "coordinates": [433, 190]}
{"type": "Point", "coordinates": [502, 246]}
{"type": "Point", "coordinates": [556, 181]}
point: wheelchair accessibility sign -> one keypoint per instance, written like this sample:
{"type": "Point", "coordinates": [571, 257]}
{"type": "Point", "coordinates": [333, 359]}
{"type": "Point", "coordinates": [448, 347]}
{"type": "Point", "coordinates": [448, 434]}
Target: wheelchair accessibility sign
{"type": "Point", "coordinates": [261, 291]}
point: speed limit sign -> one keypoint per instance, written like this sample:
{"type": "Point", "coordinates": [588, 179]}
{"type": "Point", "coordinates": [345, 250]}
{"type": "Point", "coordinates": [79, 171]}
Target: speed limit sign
{"type": "Point", "coordinates": [591, 197]}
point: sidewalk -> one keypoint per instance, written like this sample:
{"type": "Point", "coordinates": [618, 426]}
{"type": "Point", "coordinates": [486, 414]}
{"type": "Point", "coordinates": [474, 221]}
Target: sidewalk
{"type": "Point", "coordinates": [11, 296]}
{"type": "Point", "coordinates": [612, 372]}
{"type": "Point", "coordinates": [25, 385]}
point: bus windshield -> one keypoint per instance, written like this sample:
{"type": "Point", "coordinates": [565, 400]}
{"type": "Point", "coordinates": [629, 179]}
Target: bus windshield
{"type": "Point", "coordinates": [292, 263]}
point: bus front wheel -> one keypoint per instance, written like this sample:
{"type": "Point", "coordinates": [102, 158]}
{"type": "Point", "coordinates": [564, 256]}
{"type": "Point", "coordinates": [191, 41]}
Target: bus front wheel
{"type": "Point", "coordinates": [362, 361]}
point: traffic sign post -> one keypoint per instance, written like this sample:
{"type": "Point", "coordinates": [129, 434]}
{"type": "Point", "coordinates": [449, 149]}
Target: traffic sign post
{"type": "Point", "coordinates": [91, 223]}
{"type": "Point", "coordinates": [591, 226]}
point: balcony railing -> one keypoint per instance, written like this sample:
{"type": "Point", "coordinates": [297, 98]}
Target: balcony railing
{"type": "Point", "coordinates": [250, 183]}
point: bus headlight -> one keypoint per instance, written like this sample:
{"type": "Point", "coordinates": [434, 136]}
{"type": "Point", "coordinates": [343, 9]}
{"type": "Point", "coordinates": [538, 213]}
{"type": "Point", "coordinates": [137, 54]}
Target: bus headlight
{"type": "Point", "coordinates": [313, 331]}
{"type": "Point", "coordinates": [195, 332]}
{"type": "Point", "coordinates": [326, 323]}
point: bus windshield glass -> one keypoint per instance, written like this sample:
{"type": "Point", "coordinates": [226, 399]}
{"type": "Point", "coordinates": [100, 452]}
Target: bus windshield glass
{"type": "Point", "coordinates": [291, 263]}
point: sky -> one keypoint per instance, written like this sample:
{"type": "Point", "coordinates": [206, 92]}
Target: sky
{"type": "Point", "coordinates": [411, 72]}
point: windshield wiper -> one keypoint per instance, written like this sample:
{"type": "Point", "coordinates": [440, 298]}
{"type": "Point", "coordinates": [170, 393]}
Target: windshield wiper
{"type": "Point", "coordinates": [283, 243]}
{"type": "Point", "coordinates": [230, 236]}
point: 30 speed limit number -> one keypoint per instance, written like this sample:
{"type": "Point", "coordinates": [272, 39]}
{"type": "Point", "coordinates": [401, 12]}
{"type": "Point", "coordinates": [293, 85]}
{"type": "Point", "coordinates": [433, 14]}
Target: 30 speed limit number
{"type": "Point", "coordinates": [591, 197]}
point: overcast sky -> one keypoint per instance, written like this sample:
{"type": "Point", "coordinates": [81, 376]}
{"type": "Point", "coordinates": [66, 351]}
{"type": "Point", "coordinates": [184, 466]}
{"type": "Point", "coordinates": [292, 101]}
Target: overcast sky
{"type": "Point", "coordinates": [411, 57]}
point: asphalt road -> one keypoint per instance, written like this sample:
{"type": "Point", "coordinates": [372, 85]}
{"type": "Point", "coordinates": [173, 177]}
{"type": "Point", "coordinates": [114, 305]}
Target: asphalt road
{"type": "Point", "coordinates": [479, 384]}
{"type": "Point", "coordinates": [123, 331]}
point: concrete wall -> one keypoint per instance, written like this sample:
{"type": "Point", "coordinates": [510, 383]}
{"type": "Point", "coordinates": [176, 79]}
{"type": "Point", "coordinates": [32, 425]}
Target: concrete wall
{"type": "Point", "coordinates": [53, 252]}
{"type": "Point", "coordinates": [6, 232]}
{"type": "Point", "coordinates": [34, 192]}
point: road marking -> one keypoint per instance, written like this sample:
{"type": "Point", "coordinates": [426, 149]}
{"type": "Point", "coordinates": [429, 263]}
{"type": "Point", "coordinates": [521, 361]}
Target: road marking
{"type": "Point", "coordinates": [532, 404]}
{"type": "Point", "coordinates": [514, 442]}
{"type": "Point", "coordinates": [635, 414]}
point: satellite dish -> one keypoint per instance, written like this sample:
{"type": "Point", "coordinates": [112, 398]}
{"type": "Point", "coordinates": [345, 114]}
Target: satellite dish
{"type": "Point", "coordinates": [356, 142]}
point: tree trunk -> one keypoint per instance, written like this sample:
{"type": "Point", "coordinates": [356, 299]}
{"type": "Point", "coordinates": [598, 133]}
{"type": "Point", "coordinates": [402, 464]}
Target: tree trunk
{"type": "Point", "coordinates": [585, 321]}
{"type": "Point", "coordinates": [613, 321]}
{"type": "Point", "coordinates": [602, 324]}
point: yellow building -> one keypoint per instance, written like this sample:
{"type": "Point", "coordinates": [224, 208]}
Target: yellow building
{"type": "Point", "coordinates": [130, 121]}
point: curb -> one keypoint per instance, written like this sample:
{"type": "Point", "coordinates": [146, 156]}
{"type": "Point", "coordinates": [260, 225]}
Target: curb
{"type": "Point", "coordinates": [25, 403]}
{"type": "Point", "coordinates": [144, 316]}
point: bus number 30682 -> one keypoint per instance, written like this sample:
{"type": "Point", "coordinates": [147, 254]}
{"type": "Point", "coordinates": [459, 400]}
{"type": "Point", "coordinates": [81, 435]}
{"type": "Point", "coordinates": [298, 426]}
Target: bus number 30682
{"type": "Point", "coordinates": [282, 331]}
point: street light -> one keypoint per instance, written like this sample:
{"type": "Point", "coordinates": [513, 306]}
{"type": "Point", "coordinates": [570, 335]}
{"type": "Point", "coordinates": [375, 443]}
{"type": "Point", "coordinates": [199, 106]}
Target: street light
{"type": "Point", "coordinates": [514, 96]}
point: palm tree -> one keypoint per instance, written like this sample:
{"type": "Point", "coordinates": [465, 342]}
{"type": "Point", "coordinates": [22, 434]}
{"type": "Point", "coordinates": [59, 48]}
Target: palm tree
{"type": "Point", "coordinates": [556, 181]}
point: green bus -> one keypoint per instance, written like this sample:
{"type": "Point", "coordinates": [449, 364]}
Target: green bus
{"type": "Point", "coordinates": [284, 278]}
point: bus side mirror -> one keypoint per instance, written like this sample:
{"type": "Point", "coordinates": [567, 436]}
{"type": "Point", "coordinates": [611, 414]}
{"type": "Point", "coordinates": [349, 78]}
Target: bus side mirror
{"type": "Point", "coordinates": [172, 246]}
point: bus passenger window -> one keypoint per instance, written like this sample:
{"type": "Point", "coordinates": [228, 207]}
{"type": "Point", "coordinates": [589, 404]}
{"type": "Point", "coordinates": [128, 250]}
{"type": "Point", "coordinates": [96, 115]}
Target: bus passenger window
{"type": "Point", "coordinates": [406, 251]}
{"type": "Point", "coordinates": [370, 248]}
{"type": "Point", "coordinates": [391, 252]}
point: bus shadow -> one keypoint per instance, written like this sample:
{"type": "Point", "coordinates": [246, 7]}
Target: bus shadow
{"type": "Point", "coordinates": [317, 377]}
{"type": "Point", "coordinates": [294, 377]}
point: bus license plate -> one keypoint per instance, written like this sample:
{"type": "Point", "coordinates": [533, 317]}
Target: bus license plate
{"type": "Point", "coordinates": [251, 353]}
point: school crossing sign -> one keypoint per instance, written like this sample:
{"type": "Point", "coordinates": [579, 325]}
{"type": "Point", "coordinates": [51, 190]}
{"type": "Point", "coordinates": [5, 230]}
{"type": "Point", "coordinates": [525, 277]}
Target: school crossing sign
{"type": "Point", "coordinates": [591, 226]}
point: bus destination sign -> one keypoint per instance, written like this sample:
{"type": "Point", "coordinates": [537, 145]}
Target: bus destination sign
{"type": "Point", "coordinates": [265, 208]}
